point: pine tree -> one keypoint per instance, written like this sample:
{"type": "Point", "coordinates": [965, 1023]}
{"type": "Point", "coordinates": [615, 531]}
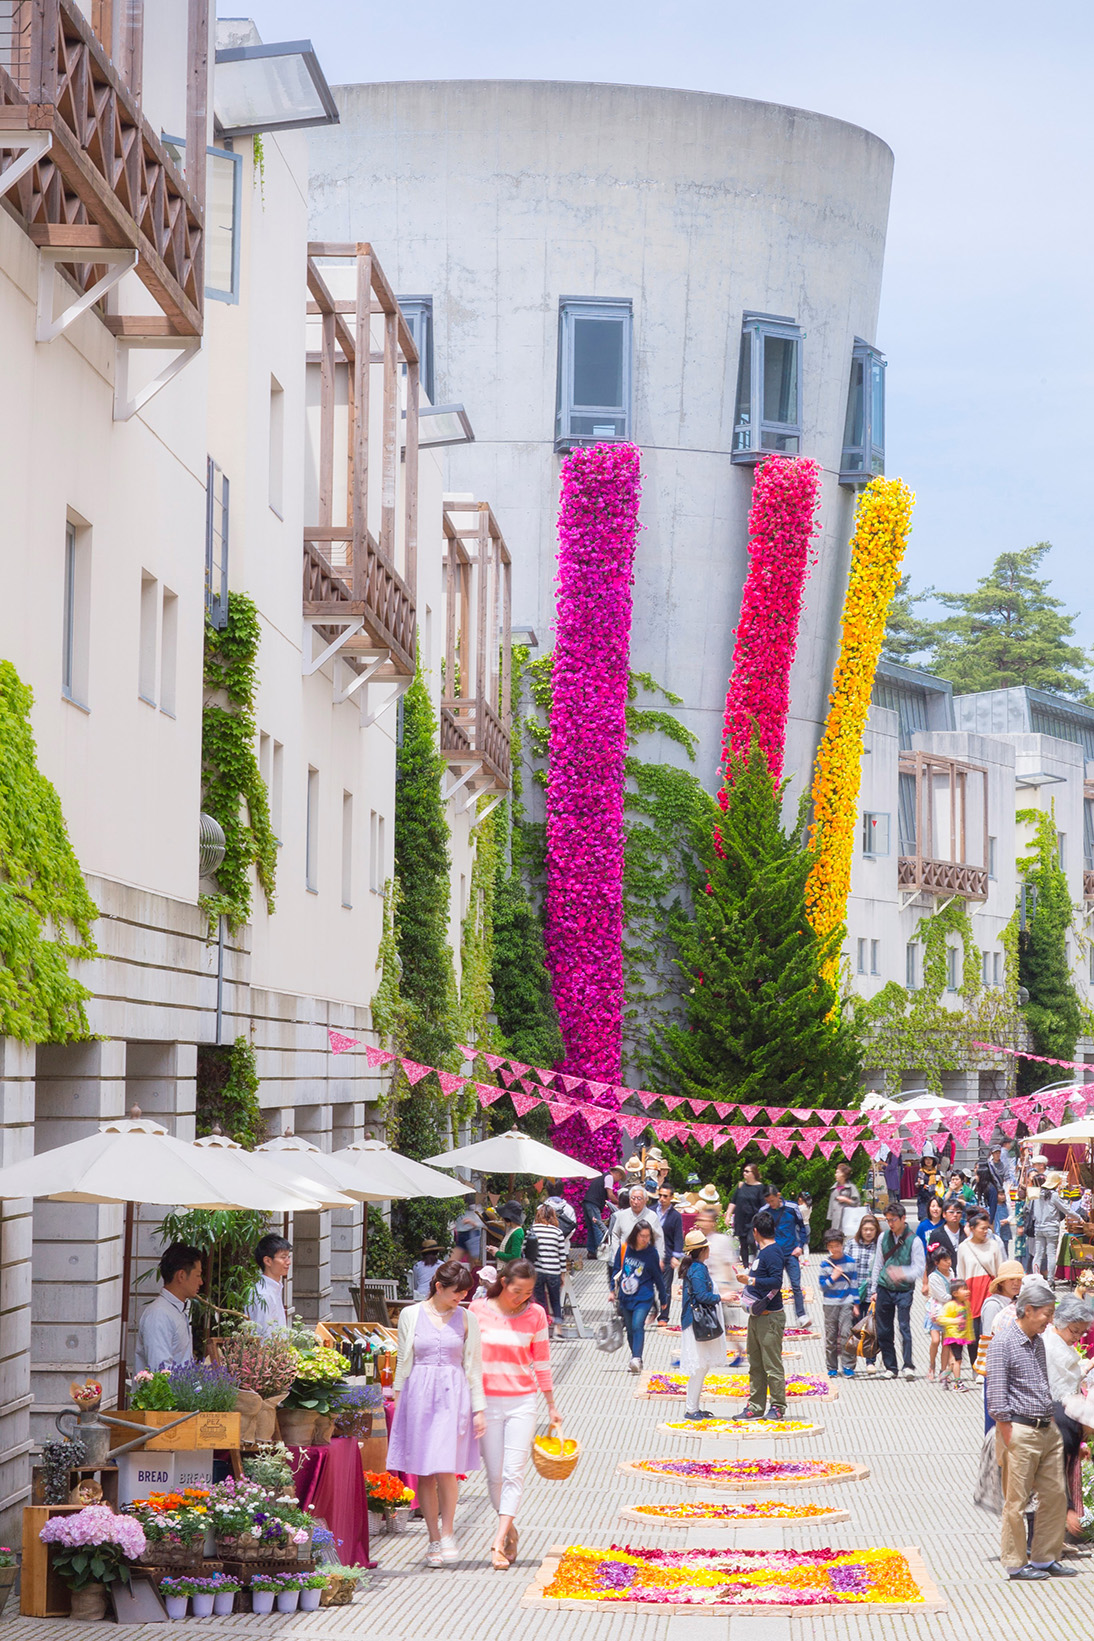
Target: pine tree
{"type": "Point", "coordinates": [761, 1023]}
{"type": "Point", "coordinates": [1054, 1013]}
{"type": "Point", "coordinates": [1009, 631]}
{"type": "Point", "coordinates": [907, 635]}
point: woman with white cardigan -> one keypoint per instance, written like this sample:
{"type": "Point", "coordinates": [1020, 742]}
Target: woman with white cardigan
{"type": "Point", "coordinates": [440, 1408]}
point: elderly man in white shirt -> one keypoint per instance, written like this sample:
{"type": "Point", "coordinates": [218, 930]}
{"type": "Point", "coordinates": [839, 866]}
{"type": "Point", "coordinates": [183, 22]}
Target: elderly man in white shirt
{"type": "Point", "coordinates": [266, 1306]}
{"type": "Point", "coordinates": [625, 1219]}
{"type": "Point", "coordinates": [163, 1332]}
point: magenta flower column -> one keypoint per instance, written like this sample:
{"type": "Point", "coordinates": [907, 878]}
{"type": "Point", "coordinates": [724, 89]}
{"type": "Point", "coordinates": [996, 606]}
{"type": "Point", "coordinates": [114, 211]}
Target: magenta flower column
{"type": "Point", "coordinates": [597, 527]}
{"type": "Point", "coordinates": [781, 523]}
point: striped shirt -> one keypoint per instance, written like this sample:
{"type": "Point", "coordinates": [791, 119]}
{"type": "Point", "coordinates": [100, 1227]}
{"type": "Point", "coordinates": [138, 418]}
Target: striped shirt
{"type": "Point", "coordinates": [515, 1354]}
{"type": "Point", "coordinates": [550, 1257]}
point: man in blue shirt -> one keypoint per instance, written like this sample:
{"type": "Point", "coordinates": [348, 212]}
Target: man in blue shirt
{"type": "Point", "coordinates": [766, 1321]}
{"type": "Point", "coordinates": [792, 1239]}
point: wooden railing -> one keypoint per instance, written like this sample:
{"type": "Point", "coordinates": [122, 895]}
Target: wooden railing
{"type": "Point", "coordinates": [107, 180]}
{"type": "Point", "coordinates": [472, 730]}
{"type": "Point", "coordinates": [942, 877]}
{"type": "Point", "coordinates": [1088, 885]}
{"type": "Point", "coordinates": [475, 705]}
{"type": "Point", "coordinates": [359, 581]}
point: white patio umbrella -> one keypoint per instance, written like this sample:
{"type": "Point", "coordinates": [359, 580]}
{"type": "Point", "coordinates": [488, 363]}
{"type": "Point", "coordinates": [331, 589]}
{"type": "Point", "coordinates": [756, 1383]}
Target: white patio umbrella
{"type": "Point", "coordinates": [133, 1160]}
{"type": "Point", "coordinates": [302, 1178]}
{"type": "Point", "coordinates": [1072, 1133]}
{"type": "Point", "coordinates": [404, 1176]}
{"type": "Point", "coordinates": [516, 1153]}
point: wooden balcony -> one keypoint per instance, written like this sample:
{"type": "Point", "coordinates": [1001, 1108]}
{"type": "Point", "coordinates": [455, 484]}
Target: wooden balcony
{"type": "Point", "coordinates": [359, 581]}
{"type": "Point", "coordinates": [105, 180]}
{"type": "Point", "coordinates": [475, 704]}
{"type": "Point", "coordinates": [1088, 886]}
{"type": "Point", "coordinates": [916, 875]}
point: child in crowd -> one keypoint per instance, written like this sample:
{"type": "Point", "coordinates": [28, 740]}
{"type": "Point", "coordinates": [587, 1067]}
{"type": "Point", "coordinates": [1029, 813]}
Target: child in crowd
{"type": "Point", "coordinates": [805, 1208]}
{"type": "Point", "coordinates": [955, 1319]}
{"type": "Point", "coordinates": [936, 1286]}
{"type": "Point", "coordinates": [839, 1289]}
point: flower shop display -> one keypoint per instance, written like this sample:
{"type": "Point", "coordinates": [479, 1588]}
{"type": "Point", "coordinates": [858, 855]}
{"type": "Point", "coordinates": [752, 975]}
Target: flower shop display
{"type": "Point", "coordinates": [313, 1397]}
{"type": "Point", "coordinates": [264, 1369]}
{"type": "Point", "coordinates": [741, 1430]}
{"type": "Point", "coordinates": [174, 1526]}
{"type": "Point", "coordinates": [748, 1475]}
{"type": "Point", "coordinates": [736, 1580]}
{"type": "Point", "coordinates": [91, 1549]}
{"type": "Point", "coordinates": [781, 524]}
{"type": "Point", "coordinates": [688, 1512]}
{"type": "Point", "coordinates": [251, 1524]}
{"type": "Point", "coordinates": [8, 1567]}
{"type": "Point", "coordinates": [732, 1384]}
{"type": "Point", "coordinates": [388, 1497]}
{"type": "Point", "coordinates": [590, 677]}
{"type": "Point", "coordinates": [882, 525]}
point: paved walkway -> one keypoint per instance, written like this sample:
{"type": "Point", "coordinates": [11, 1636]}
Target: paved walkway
{"type": "Point", "coordinates": [920, 1443]}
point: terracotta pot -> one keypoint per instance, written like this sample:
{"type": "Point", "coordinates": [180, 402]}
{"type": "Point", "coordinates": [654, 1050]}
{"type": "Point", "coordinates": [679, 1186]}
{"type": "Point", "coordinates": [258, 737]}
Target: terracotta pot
{"type": "Point", "coordinates": [324, 1428]}
{"type": "Point", "coordinates": [297, 1426]}
{"type": "Point", "coordinates": [90, 1602]}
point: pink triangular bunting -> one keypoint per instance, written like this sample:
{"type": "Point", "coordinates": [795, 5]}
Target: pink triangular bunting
{"type": "Point", "coordinates": [378, 1056]}
{"type": "Point", "coordinates": [339, 1043]}
{"type": "Point", "coordinates": [450, 1082]}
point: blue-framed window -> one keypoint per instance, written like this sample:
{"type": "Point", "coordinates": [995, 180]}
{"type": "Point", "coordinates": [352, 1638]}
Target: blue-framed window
{"type": "Point", "coordinates": [223, 194]}
{"type": "Point", "coordinates": [216, 544]}
{"type": "Point", "coordinates": [594, 370]}
{"type": "Point", "coordinates": [768, 413]}
{"type": "Point", "coordinates": [864, 429]}
{"type": "Point", "coordinates": [418, 313]}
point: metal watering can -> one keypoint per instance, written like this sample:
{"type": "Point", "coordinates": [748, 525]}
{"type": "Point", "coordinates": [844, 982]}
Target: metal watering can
{"type": "Point", "coordinates": [93, 1429]}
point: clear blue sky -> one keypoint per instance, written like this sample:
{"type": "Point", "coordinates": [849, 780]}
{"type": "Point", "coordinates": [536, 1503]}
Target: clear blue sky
{"type": "Point", "coordinates": [985, 315]}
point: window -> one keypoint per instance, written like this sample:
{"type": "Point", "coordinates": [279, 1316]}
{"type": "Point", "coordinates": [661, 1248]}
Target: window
{"type": "Point", "coordinates": [997, 968]}
{"type": "Point", "coordinates": [146, 661]}
{"type": "Point", "coordinates": [864, 429]}
{"type": "Point", "coordinates": [377, 863]}
{"type": "Point", "coordinates": [985, 968]}
{"type": "Point", "coordinates": [875, 957]}
{"type": "Point", "coordinates": [277, 447]}
{"type": "Point", "coordinates": [861, 957]}
{"type": "Point", "coordinates": [951, 968]}
{"type": "Point", "coordinates": [993, 854]}
{"type": "Point", "coordinates": [594, 371]}
{"type": "Point", "coordinates": [216, 544]}
{"type": "Point", "coordinates": [276, 788]}
{"type": "Point", "coordinates": [418, 313]}
{"type": "Point", "coordinates": [768, 414]}
{"type": "Point", "coordinates": [169, 642]}
{"type": "Point", "coordinates": [910, 966]}
{"type": "Point", "coordinates": [311, 834]}
{"type": "Point", "coordinates": [223, 193]}
{"type": "Point", "coordinates": [75, 620]}
{"type": "Point", "coordinates": [347, 849]}
{"type": "Point", "coordinates": [1061, 849]}
{"type": "Point", "coordinates": [875, 833]}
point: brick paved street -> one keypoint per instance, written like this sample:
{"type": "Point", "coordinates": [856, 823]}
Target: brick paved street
{"type": "Point", "coordinates": [920, 1443]}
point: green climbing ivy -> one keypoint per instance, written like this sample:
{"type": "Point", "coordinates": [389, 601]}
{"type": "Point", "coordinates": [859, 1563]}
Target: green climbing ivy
{"type": "Point", "coordinates": [46, 912]}
{"type": "Point", "coordinates": [1054, 1014]}
{"type": "Point", "coordinates": [230, 767]}
{"type": "Point", "coordinates": [227, 1092]}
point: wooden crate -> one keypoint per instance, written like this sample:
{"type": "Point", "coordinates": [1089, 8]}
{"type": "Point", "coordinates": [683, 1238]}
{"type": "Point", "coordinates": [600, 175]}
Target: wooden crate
{"type": "Point", "coordinates": [200, 1432]}
{"type": "Point", "coordinates": [42, 1593]}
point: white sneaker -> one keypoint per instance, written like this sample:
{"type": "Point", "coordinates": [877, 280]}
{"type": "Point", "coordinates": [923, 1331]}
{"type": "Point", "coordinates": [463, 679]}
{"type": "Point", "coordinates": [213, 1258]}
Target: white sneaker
{"type": "Point", "coordinates": [450, 1550]}
{"type": "Point", "coordinates": [433, 1556]}
{"type": "Point", "coordinates": [907, 1373]}
{"type": "Point", "coordinates": [871, 1367]}
{"type": "Point", "coordinates": [636, 1364]}
{"type": "Point", "coordinates": [883, 1373]}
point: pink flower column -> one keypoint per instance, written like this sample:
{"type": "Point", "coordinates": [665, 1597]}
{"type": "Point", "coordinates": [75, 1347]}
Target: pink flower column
{"type": "Point", "coordinates": [781, 523]}
{"type": "Point", "coordinates": [598, 523]}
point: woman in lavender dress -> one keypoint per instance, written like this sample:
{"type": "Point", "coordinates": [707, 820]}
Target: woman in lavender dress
{"type": "Point", "coordinates": [439, 1403]}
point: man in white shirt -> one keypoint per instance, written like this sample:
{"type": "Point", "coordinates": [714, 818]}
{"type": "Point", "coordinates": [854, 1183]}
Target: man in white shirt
{"type": "Point", "coordinates": [266, 1306]}
{"type": "Point", "coordinates": [625, 1219]}
{"type": "Point", "coordinates": [163, 1332]}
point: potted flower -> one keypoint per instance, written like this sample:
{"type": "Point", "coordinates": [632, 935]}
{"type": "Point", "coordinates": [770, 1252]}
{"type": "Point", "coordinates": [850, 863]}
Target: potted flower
{"type": "Point", "coordinates": [91, 1549]}
{"type": "Point", "coordinates": [312, 1586]}
{"type": "Point", "coordinates": [390, 1498]}
{"type": "Point", "coordinates": [357, 1406]}
{"type": "Point", "coordinates": [342, 1584]}
{"type": "Point", "coordinates": [203, 1593]}
{"type": "Point", "coordinates": [151, 1392]}
{"type": "Point", "coordinates": [316, 1392]}
{"type": "Point", "coordinates": [176, 1596]}
{"type": "Point", "coordinates": [270, 1466]}
{"type": "Point", "coordinates": [7, 1574]}
{"type": "Point", "coordinates": [288, 1592]}
{"type": "Point", "coordinates": [174, 1526]}
{"type": "Point", "coordinates": [224, 1595]}
{"type": "Point", "coordinates": [203, 1387]}
{"type": "Point", "coordinates": [264, 1588]}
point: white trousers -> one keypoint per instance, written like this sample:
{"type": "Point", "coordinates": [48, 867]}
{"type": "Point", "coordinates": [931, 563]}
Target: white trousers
{"type": "Point", "coordinates": [510, 1427]}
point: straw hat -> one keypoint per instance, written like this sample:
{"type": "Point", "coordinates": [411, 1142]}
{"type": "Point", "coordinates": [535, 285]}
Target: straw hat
{"type": "Point", "coordinates": [633, 1165]}
{"type": "Point", "coordinates": [654, 1155]}
{"type": "Point", "coordinates": [709, 1193]}
{"type": "Point", "coordinates": [429, 1246]}
{"type": "Point", "coordinates": [1009, 1269]}
{"type": "Point", "coordinates": [693, 1240]}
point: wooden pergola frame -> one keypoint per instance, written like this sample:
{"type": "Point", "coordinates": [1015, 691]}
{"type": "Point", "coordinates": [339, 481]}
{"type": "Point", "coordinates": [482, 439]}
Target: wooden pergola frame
{"type": "Point", "coordinates": [354, 593]}
{"type": "Point", "coordinates": [476, 715]}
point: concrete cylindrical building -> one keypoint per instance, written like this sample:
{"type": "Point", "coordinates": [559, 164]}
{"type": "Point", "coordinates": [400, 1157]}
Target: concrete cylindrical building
{"type": "Point", "coordinates": [522, 207]}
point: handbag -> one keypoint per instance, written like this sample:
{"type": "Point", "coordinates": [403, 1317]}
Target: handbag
{"type": "Point", "coordinates": [610, 1334]}
{"type": "Point", "coordinates": [706, 1316]}
{"type": "Point", "coordinates": [865, 1335]}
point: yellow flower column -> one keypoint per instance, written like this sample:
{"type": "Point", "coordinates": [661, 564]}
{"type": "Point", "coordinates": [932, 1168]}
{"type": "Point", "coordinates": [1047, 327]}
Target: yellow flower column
{"type": "Point", "coordinates": [882, 525]}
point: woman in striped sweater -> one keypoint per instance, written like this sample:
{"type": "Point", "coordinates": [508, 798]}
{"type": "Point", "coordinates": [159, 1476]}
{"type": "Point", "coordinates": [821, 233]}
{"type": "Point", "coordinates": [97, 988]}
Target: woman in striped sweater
{"type": "Point", "coordinates": [549, 1260]}
{"type": "Point", "coordinates": [516, 1358]}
